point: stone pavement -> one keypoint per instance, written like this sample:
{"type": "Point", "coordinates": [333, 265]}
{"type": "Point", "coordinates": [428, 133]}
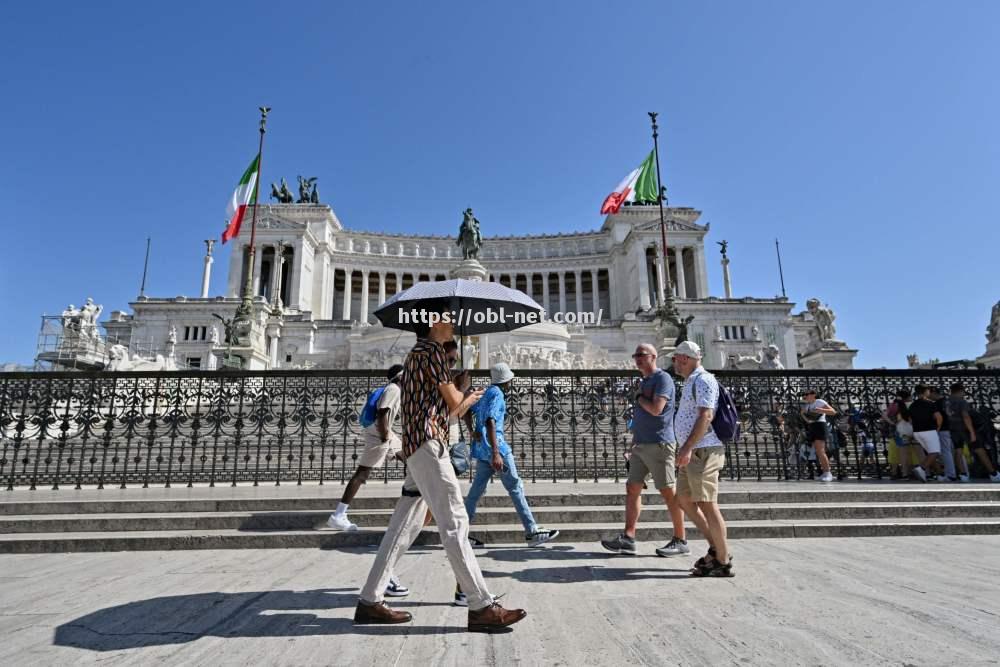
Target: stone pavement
{"type": "Point", "coordinates": [857, 601]}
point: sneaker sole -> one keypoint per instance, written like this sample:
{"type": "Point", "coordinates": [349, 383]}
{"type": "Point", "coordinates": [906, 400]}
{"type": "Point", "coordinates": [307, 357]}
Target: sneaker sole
{"type": "Point", "coordinates": [350, 529]}
{"type": "Point", "coordinates": [396, 594]}
{"type": "Point", "coordinates": [671, 555]}
{"type": "Point", "coordinates": [620, 552]}
{"type": "Point", "coordinates": [538, 543]}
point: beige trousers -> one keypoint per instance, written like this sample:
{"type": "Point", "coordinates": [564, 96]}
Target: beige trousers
{"type": "Point", "coordinates": [430, 474]}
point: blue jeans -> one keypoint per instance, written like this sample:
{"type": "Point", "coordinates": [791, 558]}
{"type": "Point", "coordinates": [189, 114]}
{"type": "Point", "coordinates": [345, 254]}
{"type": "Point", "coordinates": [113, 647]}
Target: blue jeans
{"type": "Point", "coordinates": [511, 482]}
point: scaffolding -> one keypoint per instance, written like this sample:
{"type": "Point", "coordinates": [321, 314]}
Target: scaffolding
{"type": "Point", "coordinates": [62, 348]}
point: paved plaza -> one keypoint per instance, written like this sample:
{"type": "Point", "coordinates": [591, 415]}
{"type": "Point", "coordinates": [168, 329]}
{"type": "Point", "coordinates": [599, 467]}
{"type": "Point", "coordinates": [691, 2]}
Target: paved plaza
{"type": "Point", "coordinates": [860, 601]}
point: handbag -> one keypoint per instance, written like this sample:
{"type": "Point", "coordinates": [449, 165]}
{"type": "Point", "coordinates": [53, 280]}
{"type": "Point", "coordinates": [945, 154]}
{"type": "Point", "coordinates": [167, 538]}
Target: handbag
{"type": "Point", "coordinates": [461, 456]}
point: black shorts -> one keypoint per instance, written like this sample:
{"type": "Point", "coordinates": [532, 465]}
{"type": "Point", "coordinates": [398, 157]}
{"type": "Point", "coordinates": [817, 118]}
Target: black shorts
{"type": "Point", "coordinates": [958, 443]}
{"type": "Point", "coordinates": [816, 431]}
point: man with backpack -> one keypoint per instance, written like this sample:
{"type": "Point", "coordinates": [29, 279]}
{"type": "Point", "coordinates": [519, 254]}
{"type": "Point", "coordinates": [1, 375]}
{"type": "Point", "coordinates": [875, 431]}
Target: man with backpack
{"type": "Point", "coordinates": [701, 456]}
{"type": "Point", "coordinates": [377, 416]}
{"type": "Point", "coordinates": [379, 442]}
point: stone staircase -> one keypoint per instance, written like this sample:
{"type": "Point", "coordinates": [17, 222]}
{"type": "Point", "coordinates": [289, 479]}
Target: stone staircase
{"type": "Point", "coordinates": [245, 517]}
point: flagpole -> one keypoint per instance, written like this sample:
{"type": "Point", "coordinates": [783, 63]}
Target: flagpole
{"type": "Point", "coordinates": [245, 311]}
{"type": "Point", "coordinates": [668, 287]}
{"type": "Point", "coordinates": [781, 273]}
{"type": "Point", "coordinates": [145, 266]}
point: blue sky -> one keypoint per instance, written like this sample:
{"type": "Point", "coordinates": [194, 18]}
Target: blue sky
{"type": "Point", "coordinates": [861, 134]}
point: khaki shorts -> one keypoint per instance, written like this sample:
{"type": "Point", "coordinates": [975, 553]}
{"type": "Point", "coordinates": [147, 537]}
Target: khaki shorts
{"type": "Point", "coordinates": [376, 451]}
{"type": "Point", "coordinates": [699, 479]}
{"type": "Point", "coordinates": [656, 459]}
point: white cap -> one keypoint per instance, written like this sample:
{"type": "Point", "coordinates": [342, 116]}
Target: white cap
{"type": "Point", "coordinates": [688, 349]}
{"type": "Point", "coordinates": [501, 373]}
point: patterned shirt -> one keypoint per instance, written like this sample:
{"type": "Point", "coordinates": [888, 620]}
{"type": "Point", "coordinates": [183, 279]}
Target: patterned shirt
{"type": "Point", "coordinates": [424, 410]}
{"type": "Point", "coordinates": [701, 390]}
{"type": "Point", "coordinates": [493, 406]}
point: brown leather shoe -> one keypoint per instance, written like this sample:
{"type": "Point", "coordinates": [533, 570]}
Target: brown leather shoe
{"type": "Point", "coordinates": [379, 613]}
{"type": "Point", "coordinates": [493, 618]}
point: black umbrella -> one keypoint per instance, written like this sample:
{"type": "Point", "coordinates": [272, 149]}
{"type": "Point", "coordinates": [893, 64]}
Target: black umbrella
{"type": "Point", "coordinates": [475, 307]}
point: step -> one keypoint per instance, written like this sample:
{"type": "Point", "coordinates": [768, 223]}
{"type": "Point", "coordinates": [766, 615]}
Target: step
{"type": "Point", "coordinates": [375, 497]}
{"type": "Point", "coordinates": [489, 516]}
{"type": "Point", "coordinates": [649, 533]}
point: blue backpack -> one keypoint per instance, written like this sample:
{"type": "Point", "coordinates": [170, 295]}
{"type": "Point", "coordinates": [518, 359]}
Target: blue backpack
{"type": "Point", "coordinates": [370, 411]}
{"type": "Point", "coordinates": [726, 420]}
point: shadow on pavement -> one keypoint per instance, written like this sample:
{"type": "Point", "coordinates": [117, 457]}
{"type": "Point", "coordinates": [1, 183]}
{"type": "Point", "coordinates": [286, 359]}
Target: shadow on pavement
{"type": "Point", "coordinates": [575, 574]}
{"type": "Point", "coordinates": [180, 619]}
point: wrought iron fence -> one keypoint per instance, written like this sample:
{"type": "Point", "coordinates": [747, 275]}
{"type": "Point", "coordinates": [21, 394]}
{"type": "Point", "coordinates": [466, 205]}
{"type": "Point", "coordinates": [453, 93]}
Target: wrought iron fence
{"type": "Point", "coordinates": [100, 429]}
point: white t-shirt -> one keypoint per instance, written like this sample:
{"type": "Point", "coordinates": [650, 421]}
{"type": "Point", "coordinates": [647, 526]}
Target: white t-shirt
{"type": "Point", "coordinates": [389, 400]}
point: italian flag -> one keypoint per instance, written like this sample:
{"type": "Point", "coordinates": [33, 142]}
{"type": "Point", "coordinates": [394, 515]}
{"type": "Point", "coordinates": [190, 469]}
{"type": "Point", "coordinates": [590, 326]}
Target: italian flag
{"type": "Point", "coordinates": [640, 185]}
{"type": "Point", "coordinates": [244, 195]}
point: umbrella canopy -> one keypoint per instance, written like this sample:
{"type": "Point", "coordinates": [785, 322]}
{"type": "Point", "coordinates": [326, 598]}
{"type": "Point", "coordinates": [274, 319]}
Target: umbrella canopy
{"type": "Point", "coordinates": [476, 307]}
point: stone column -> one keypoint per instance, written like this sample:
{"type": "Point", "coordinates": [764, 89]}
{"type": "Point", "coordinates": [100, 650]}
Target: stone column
{"type": "Point", "coordinates": [681, 281]}
{"type": "Point", "coordinates": [661, 269]}
{"type": "Point", "coordinates": [545, 292]}
{"type": "Point", "coordinates": [206, 274]}
{"type": "Point", "coordinates": [642, 267]}
{"type": "Point", "coordinates": [347, 293]}
{"type": "Point", "coordinates": [273, 352]}
{"type": "Point", "coordinates": [279, 269]}
{"type": "Point", "coordinates": [331, 274]}
{"type": "Point", "coordinates": [399, 282]}
{"type": "Point", "coordinates": [364, 296]}
{"type": "Point", "coordinates": [726, 281]}
{"type": "Point", "coordinates": [484, 351]}
{"type": "Point", "coordinates": [381, 287]}
{"type": "Point", "coordinates": [320, 295]}
{"type": "Point", "coordinates": [562, 292]}
{"type": "Point", "coordinates": [595, 293]}
{"type": "Point", "coordinates": [614, 295]}
{"type": "Point", "coordinates": [701, 272]}
{"type": "Point", "coordinates": [577, 275]}
{"type": "Point", "coordinates": [273, 278]}
{"type": "Point", "coordinates": [295, 275]}
{"type": "Point", "coordinates": [529, 277]}
{"type": "Point", "coordinates": [257, 263]}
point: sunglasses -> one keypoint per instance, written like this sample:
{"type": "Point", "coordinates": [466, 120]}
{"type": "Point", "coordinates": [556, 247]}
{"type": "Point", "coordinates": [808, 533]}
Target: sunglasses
{"type": "Point", "coordinates": [640, 354]}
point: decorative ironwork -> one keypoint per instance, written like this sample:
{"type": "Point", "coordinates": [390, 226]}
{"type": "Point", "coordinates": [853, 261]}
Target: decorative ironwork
{"type": "Point", "coordinates": [169, 428]}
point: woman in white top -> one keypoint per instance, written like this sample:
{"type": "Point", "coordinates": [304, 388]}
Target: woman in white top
{"type": "Point", "coordinates": [815, 411]}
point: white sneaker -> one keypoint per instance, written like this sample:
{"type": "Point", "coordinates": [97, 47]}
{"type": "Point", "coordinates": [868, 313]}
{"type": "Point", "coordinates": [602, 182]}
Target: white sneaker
{"type": "Point", "coordinates": [395, 589]}
{"type": "Point", "coordinates": [963, 478]}
{"type": "Point", "coordinates": [338, 522]}
{"type": "Point", "coordinates": [540, 537]}
{"type": "Point", "coordinates": [826, 477]}
{"type": "Point", "coordinates": [919, 472]}
{"type": "Point", "coordinates": [995, 477]}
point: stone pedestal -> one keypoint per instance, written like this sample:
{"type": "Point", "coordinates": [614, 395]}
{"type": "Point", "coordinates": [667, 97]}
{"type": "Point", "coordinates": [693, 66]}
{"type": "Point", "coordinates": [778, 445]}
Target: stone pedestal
{"type": "Point", "coordinates": [834, 355]}
{"type": "Point", "coordinates": [991, 358]}
{"type": "Point", "coordinates": [469, 269]}
{"type": "Point", "coordinates": [727, 281]}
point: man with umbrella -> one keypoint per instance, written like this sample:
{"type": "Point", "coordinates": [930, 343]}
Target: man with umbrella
{"type": "Point", "coordinates": [429, 397]}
